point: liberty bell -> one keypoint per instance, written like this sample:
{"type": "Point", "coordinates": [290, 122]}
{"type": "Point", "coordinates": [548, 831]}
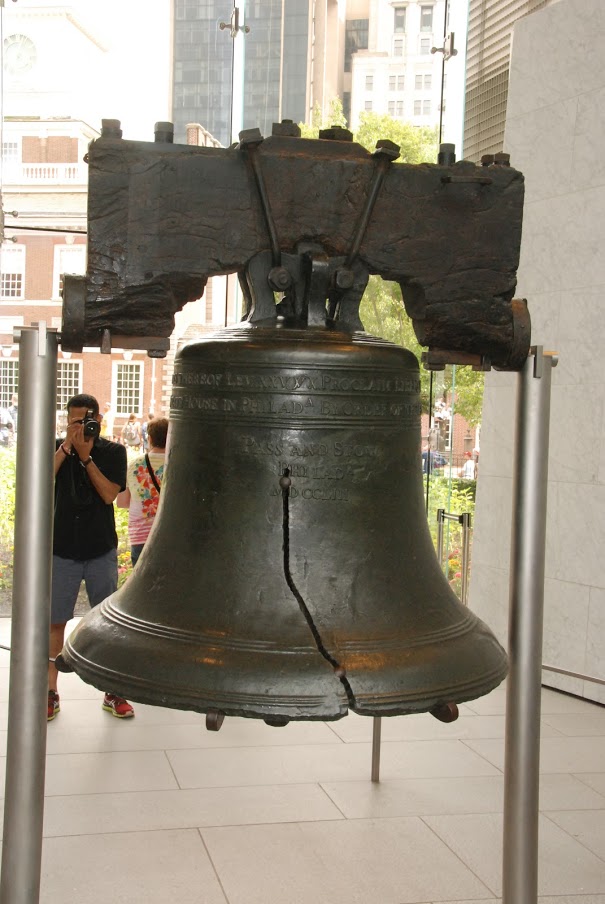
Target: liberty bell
{"type": "Point", "coordinates": [290, 572]}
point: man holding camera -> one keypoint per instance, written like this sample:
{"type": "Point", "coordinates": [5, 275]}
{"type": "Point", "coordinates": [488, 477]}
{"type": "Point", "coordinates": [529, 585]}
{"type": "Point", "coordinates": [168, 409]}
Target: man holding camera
{"type": "Point", "coordinates": [89, 473]}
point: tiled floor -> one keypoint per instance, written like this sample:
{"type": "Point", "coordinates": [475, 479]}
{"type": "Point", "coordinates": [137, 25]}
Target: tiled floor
{"type": "Point", "coordinates": [157, 809]}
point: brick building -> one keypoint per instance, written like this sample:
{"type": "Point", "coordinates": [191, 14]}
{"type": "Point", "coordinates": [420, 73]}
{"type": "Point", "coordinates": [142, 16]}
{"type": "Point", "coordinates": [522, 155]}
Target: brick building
{"type": "Point", "coordinates": [46, 130]}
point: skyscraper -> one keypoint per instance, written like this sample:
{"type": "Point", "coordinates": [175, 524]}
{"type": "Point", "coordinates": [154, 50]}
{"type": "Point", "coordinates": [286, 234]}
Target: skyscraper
{"type": "Point", "coordinates": [490, 26]}
{"type": "Point", "coordinates": [277, 68]}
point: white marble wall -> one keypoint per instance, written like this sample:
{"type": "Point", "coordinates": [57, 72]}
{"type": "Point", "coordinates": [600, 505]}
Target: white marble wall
{"type": "Point", "coordinates": [555, 133]}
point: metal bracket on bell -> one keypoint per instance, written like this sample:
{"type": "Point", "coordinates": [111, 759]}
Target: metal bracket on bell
{"type": "Point", "coordinates": [214, 720]}
{"type": "Point", "coordinates": [437, 358]}
{"type": "Point", "coordinates": [317, 289]}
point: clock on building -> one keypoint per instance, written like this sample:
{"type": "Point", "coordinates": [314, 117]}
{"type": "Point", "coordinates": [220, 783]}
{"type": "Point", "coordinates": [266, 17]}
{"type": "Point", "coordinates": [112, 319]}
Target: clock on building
{"type": "Point", "coordinates": [19, 54]}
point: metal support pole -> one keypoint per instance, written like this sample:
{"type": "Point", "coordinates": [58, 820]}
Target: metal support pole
{"type": "Point", "coordinates": [522, 748]}
{"type": "Point", "coordinates": [26, 750]}
{"type": "Point", "coordinates": [440, 520]}
{"type": "Point", "coordinates": [465, 521]}
{"type": "Point", "coordinates": [376, 731]}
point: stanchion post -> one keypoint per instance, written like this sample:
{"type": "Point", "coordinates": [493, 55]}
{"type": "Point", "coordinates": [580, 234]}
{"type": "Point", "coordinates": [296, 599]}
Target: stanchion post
{"type": "Point", "coordinates": [26, 747]}
{"type": "Point", "coordinates": [376, 732]}
{"type": "Point", "coordinates": [522, 746]}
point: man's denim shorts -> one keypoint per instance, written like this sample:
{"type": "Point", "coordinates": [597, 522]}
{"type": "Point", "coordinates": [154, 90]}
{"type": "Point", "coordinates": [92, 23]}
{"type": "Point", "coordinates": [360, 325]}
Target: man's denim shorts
{"type": "Point", "coordinates": [100, 576]}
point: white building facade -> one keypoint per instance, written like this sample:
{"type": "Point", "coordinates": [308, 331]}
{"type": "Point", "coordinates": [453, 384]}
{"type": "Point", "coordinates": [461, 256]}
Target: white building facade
{"type": "Point", "coordinates": [394, 62]}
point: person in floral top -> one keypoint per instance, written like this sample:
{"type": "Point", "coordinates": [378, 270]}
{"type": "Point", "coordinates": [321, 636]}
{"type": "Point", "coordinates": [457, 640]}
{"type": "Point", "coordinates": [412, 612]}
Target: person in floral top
{"type": "Point", "coordinates": [141, 496]}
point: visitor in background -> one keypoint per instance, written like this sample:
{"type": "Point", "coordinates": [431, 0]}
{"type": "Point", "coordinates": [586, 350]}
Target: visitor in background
{"type": "Point", "coordinates": [132, 435]}
{"type": "Point", "coordinates": [14, 412]}
{"type": "Point", "coordinates": [144, 427]}
{"type": "Point", "coordinates": [107, 422]}
{"type": "Point", "coordinates": [469, 469]}
{"type": "Point", "coordinates": [143, 485]}
{"type": "Point", "coordinates": [89, 473]}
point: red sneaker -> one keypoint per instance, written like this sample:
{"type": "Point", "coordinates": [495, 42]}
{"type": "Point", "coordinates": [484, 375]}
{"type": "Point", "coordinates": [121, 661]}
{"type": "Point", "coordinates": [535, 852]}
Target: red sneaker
{"type": "Point", "coordinates": [117, 706]}
{"type": "Point", "coordinates": [53, 705]}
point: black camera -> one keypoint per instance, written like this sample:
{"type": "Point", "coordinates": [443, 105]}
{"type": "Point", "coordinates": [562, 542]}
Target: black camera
{"type": "Point", "coordinates": [91, 426]}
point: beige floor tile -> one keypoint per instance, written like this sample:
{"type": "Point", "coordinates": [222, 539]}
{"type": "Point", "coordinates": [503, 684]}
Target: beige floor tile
{"type": "Point", "coordinates": [589, 724]}
{"type": "Point", "coordinates": [388, 861]}
{"type": "Point", "coordinates": [323, 763]}
{"type": "Point", "coordinates": [594, 780]}
{"type": "Point", "coordinates": [421, 797]}
{"type": "Point", "coordinates": [562, 754]}
{"type": "Point", "coordinates": [587, 826]}
{"type": "Point", "coordinates": [86, 814]}
{"type": "Point", "coordinates": [138, 734]}
{"type": "Point", "coordinates": [551, 702]}
{"type": "Point", "coordinates": [565, 867]}
{"type": "Point", "coordinates": [425, 728]}
{"type": "Point", "coordinates": [95, 773]}
{"type": "Point", "coordinates": [558, 899]}
{"type": "Point", "coordinates": [137, 868]}
{"type": "Point", "coordinates": [417, 797]}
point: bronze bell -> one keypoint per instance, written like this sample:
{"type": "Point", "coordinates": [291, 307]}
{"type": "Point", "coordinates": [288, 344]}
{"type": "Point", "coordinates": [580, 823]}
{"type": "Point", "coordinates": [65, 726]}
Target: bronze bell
{"type": "Point", "coordinates": [290, 573]}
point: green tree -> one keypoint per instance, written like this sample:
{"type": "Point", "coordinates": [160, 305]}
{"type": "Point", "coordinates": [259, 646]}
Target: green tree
{"type": "Point", "coordinates": [468, 400]}
{"type": "Point", "coordinates": [418, 144]}
{"type": "Point", "coordinates": [382, 310]}
{"type": "Point", "coordinates": [334, 117]}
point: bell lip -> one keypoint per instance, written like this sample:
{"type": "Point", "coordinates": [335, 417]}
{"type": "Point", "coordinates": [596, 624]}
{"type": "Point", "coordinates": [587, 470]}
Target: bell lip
{"type": "Point", "coordinates": [328, 707]}
{"type": "Point", "coordinates": [127, 686]}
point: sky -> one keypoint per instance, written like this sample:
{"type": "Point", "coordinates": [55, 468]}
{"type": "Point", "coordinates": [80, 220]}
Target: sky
{"type": "Point", "coordinates": [136, 33]}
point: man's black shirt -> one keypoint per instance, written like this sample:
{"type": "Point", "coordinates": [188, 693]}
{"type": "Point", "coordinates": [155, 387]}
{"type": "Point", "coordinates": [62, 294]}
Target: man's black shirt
{"type": "Point", "coordinates": [84, 525]}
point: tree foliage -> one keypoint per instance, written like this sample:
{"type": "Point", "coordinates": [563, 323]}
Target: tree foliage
{"type": "Point", "coordinates": [418, 144]}
{"type": "Point", "coordinates": [382, 310]}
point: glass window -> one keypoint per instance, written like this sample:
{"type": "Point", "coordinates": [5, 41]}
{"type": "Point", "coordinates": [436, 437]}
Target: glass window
{"type": "Point", "coordinates": [392, 82]}
{"type": "Point", "coordinates": [10, 151]}
{"type": "Point", "coordinates": [426, 107]}
{"type": "Point", "coordinates": [426, 18]}
{"type": "Point", "coordinates": [399, 23]}
{"type": "Point", "coordinates": [418, 82]}
{"type": "Point", "coordinates": [127, 390]}
{"type": "Point", "coordinates": [369, 82]}
{"type": "Point", "coordinates": [400, 82]}
{"type": "Point", "coordinates": [69, 382]}
{"type": "Point", "coordinates": [356, 38]}
{"type": "Point", "coordinates": [425, 45]}
{"type": "Point", "coordinates": [417, 107]}
{"type": "Point", "coordinates": [391, 108]}
{"type": "Point", "coordinates": [9, 380]}
{"type": "Point", "coordinates": [368, 105]}
{"type": "Point", "coordinates": [12, 270]}
{"type": "Point", "coordinates": [428, 81]}
{"type": "Point", "coordinates": [68, 259]}
{"type": "Point", "coordinates": [399, 108]}
{"type": "Point", "coordinates": [398, 47]}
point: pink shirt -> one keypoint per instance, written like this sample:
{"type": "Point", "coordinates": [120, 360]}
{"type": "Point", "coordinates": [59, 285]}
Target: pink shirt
{"type": "Point", "coordinates": [144, 497]}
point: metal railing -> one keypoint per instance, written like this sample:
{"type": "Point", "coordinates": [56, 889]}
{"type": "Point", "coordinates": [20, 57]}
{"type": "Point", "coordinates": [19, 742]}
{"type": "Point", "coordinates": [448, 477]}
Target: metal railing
{"type": "Point", "coordinates": [27, 173]}
{"type": "Point", "coordinates": [465, 521]}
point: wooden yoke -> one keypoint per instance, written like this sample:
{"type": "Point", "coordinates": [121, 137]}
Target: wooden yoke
{"type": "Point", "coordinates": [311, 218]}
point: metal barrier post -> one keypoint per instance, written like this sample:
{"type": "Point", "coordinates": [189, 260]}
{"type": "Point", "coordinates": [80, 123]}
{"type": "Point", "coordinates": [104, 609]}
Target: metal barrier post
{"type": "Point", "coordinates": [522, 747]}
{"type": "Point", "coordinates": [376, 732]}
{"type": "Point", "coordinates": [26, 748]}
